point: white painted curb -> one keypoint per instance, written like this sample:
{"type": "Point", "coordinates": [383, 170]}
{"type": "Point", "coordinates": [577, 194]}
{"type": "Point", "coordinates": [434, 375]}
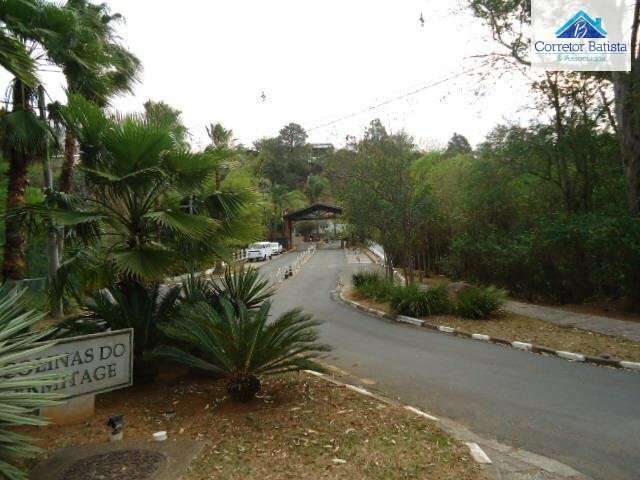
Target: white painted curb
{"type": "Point", "coordinates": [478, 454]}
{"type": "Point", "coordinates": [522, 346]}
{"type": "Point", "coordinates": [576, 357]}
{"type": "Point", "coordinates": [630, 365]}
{"type": "Point", "coordinates": [446, 329]}
{"type": "Point", "coordinates": [410, 321]}
{"type": "Point", "coordinates": [420, 413]}
{"type": "Point", "coordinates": [359, 390]}
{"type": "Point", "coordinates": [480, 336]}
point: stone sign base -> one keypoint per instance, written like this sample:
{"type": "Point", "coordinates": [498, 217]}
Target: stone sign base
{"type": "Point", "coordinates": [76, 410]}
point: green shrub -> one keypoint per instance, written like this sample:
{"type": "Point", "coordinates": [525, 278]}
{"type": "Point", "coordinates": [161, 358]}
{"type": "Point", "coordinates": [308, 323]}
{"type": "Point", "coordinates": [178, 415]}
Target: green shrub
{"type": "Point", "coordinates": [480, 302]}
{"type": "Point", "coordinates": [407, 300]}
{"type": "Point", "coordinates": [373, 286]}
{"type": "Point", "coordinates": [437, 301]}
{"type": "Point", "coordinates": [416, 302]}
{"type": "Point", "coordinates": [561, 258]}
{"type": "Point", "coordinates": [362, 278]}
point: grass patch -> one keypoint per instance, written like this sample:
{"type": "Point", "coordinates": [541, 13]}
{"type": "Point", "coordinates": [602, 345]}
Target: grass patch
{"type": "Point", "coordinates": [298, 428]}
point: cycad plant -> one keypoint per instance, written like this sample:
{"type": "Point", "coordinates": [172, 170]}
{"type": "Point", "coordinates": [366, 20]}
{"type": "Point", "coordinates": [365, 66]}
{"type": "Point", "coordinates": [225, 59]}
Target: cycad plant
{"type": "Point", "coordinates": [242, 345]}
{"type": "Point", "coordinates": [143, 308]}
{"type": "Point", "coordinates": [19, 395]}
{"type": "Point", "coordinates": [239, 286]}
{"type": "Point", "coordinates": [244, 287]}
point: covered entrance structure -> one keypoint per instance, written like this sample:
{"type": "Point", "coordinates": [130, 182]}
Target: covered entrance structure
{"type": "Point", "coordinates": [317, 211]}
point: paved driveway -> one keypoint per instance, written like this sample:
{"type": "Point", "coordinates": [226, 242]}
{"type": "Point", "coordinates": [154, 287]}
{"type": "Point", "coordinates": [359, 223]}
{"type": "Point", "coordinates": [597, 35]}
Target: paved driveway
{"type": "Point", "coordinates": [585, 416]}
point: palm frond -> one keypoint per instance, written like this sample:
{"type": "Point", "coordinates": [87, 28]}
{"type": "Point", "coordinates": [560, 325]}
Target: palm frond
{"type": "Point", "coordinates": [149, 263]}
{"type": "Point", "coordinates": [192, 226]}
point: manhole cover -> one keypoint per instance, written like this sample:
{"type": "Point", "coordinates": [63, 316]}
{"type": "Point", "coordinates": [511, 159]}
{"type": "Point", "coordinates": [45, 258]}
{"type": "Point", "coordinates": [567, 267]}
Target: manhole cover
{"type": "Point", "coordinates": [129, 464]}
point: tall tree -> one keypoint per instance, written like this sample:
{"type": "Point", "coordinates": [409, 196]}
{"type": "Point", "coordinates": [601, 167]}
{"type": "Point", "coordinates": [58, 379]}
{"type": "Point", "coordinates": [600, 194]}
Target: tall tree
{"type": "Point", "coordinates": [508, 21]}
{"type": "Point", "coordinates": [284, 160]}
{"type": "Point", "coordinates": [293, 136]}
{"type": "Point", "coordinates": [380, 195]}
{"type": "Point", "coordinates": [458, 144]}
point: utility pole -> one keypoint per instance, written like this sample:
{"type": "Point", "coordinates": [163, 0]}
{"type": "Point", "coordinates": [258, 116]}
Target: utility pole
{"type": "Point", "coordinates": [52, 234]}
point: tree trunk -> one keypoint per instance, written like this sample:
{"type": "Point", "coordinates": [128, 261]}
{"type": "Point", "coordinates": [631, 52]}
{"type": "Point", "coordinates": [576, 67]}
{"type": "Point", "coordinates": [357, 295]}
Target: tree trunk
{"type": "Point", "coordinates": [627, 100]}
{"type": "Point", "coordinates": [68, 166]}
{"type": "Point", "coordinates": [14, 264]}
{"type": "Point", "coordinates": [15, 246]}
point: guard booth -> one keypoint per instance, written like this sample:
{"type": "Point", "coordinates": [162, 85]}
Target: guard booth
{"type": "Point", "coordinates": [317, 211]}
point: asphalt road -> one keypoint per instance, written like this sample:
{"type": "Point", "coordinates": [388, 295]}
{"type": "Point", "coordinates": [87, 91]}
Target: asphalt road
{"type": "Point", "coordinates": [585, 416]}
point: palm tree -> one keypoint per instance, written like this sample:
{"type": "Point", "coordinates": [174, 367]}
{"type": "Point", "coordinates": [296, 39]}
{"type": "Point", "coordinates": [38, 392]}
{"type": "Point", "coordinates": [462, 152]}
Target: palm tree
{"type": "Point", "coordinates": [134, 205]}
{"type": "Point", "coordinates": [282, 199]}
{"type": "Point", "coordinates": [220, 136]}
{"type": "Point", "coordinates": [222, 149]}
{"type": "Point", "coordinates": [15, 56]}
{"type": "Point", "coordinates": [23, 138]}
{"type": "Point", "coordinates": [95, 65]}
{"type": "Point", "coordinates": [41, 29]}
{"type": "Point", "coordinates": [149, 209]}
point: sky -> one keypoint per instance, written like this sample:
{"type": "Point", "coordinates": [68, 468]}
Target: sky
{"type": "Point", "coordinates": [317, 61]}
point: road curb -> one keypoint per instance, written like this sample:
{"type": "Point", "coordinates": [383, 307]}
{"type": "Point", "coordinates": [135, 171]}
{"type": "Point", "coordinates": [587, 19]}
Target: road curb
{"type": "Point", "coordinates": [476, 452]}
{"type": "Point", "coordinates": [524, 346]}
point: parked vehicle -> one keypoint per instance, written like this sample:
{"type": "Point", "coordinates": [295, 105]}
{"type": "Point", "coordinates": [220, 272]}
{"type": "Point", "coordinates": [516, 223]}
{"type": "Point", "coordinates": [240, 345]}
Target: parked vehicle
{"type": "Point", "coordinates": [276, 248]}
{"type": "Point", "coordinates": [259, 251]}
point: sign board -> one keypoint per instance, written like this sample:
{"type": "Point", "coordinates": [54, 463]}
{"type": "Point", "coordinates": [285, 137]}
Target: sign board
{"type": "Point", "coordinates": [581, 35]}
{"type": "Point", "coordinates": [88, 365]}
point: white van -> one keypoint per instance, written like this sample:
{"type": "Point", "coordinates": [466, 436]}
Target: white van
{"type": "Point", "coordinates": [259, 251]}
{"type": "Point", "coordinates": [276, 248]}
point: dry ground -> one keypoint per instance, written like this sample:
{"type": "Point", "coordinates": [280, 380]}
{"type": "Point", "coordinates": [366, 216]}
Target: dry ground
{"type": "Point", "coordinates": [300, 427]}
{"type": "Point", "coordinates": [518, 328]}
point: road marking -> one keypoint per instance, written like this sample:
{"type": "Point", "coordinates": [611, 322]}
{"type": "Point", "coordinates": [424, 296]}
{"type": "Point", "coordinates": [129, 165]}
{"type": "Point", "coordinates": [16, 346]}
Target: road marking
{"type": "Point", "coordinates": [478, 454]}
{"type": "Point", "coordinates": [420, 413]}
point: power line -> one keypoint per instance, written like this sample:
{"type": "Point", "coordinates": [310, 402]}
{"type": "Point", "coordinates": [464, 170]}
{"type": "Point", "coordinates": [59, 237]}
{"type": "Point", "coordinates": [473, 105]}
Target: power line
{"type": "Point", "coordinates": [393, 99]}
